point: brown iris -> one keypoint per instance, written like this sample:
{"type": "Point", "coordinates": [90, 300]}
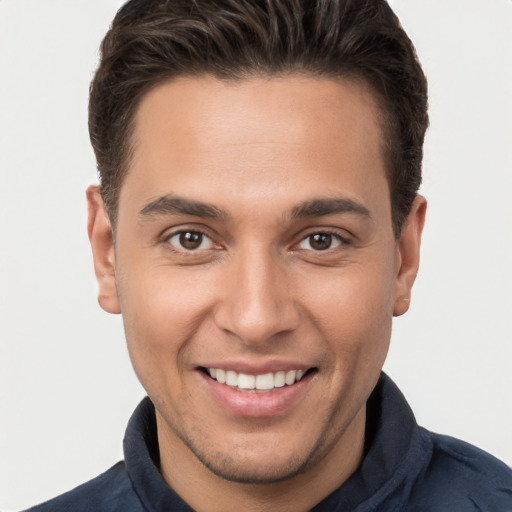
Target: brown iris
{"type": "Point", "coordinates": [191, 239]}
{"type": "Point", "coordinates": [320, 241]}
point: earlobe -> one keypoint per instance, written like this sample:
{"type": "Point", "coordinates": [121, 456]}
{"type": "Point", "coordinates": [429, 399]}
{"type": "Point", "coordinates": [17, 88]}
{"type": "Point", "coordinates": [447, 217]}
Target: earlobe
{"type": "Point", "coordinates": [102, 244]}
{"type": "Point", "coordinates": [408, 255]}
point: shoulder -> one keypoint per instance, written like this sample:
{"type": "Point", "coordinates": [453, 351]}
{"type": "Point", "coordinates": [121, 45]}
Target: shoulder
{"type": "Point", "coordinates": [463, 477]}
{"type": "Point", "coordinates": [110, 491]}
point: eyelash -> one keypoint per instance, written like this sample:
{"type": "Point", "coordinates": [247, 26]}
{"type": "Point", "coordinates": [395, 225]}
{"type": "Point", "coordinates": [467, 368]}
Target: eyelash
{"type": "Point", "coordinates": [342, 241]}
{"type": "Point", "coordinates": [166, 239]}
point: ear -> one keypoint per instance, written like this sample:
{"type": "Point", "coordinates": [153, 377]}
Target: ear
{"type": "Point", "coordinates": [408, 255]}
{"type": "Point", "coordinates": [102, 244]}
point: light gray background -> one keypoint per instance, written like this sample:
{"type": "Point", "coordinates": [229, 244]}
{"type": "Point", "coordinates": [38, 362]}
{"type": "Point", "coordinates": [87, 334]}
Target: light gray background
{"type": "Point", "coordinates": [66, 385]}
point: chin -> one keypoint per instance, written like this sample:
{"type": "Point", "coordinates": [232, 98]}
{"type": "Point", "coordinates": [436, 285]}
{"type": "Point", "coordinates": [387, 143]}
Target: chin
{"type": "Point", "coordinates": [250, 471]}
{"type": "Point", "coordinates": [259, 460]}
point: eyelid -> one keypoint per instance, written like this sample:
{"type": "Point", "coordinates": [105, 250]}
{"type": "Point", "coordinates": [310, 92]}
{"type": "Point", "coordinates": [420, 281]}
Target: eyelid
{"type": "Point", "coordinates": [205, 240]}
{"type": "Point", "coordinates": [336, 241]}
{"type": "Point", "coordinates": [344, 237]}
{"type": "Point", "coordinates": [167, 234]}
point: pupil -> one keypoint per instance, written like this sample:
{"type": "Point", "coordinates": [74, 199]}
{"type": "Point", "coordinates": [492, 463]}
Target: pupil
{"type": "Point", "coordinates": [320, 242]}
{"type": "Point", "coordinates": [191, 240]}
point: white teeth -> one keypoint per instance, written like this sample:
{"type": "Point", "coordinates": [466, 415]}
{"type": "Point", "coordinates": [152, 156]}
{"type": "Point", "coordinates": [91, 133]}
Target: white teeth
{"type": "Point", "coordinates": [231, 378]}
{"type": "Point", "coordinates": [220, 375]}
{"type": "Point", "coordinates": [263, 382]}
{"type": "Point", "coordinates": [246, 381]}
{"type": "Point", "coordinates": [279, 379]}
{"type": "Point", "coordinates": [290, 377]}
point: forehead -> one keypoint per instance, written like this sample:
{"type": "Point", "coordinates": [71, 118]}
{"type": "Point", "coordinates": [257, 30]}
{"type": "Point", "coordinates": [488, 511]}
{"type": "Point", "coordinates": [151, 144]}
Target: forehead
{"type": "Point", "coordinates": [262, 109]}
{"type": "Point", "coordinates": [201, 135]}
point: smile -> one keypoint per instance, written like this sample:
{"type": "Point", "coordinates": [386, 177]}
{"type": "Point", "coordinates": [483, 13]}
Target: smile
{"type": "Point", "coordinates": [255, 383]}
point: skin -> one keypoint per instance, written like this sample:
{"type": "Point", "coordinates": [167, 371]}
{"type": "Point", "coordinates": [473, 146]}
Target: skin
{"type": "Point", "coordinates": [258, 292]}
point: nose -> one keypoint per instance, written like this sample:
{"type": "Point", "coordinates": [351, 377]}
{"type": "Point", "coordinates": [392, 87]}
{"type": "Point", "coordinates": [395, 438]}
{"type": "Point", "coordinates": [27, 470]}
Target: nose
{"type": "Point", "coordinates": [258, 302]}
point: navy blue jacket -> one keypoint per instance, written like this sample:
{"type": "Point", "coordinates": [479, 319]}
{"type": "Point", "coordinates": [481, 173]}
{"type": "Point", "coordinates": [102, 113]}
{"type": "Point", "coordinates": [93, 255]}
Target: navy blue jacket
{"type": "Point", "coordinates": [405, 468]}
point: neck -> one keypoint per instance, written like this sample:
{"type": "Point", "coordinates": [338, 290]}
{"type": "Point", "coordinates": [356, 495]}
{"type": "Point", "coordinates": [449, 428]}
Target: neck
{"type": "Point", "coordinates": [206, 492]}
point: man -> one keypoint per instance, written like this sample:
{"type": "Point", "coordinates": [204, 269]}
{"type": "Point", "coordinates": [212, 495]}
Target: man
{"type": "Point", "coordinates": [258, 226]}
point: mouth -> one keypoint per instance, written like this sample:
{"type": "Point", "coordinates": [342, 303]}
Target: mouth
{"type": "Point", "coordinates": [261, 383]}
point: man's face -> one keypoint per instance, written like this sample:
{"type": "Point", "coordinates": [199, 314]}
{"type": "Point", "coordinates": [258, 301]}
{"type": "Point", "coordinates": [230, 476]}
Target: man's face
{"type": "Point", "coordinates": [254, 243]}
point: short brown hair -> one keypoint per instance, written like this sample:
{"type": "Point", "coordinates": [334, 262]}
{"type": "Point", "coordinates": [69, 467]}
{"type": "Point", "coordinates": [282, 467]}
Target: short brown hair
{"type": "Point", "coordinates": [152, 41]}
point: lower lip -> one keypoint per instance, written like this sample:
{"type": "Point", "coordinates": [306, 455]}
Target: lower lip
{"type": "Point", "coordinates": [256, 405]}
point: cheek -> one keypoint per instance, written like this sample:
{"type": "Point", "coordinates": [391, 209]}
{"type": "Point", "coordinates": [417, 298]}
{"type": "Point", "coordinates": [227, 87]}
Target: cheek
{"type": "Point", "coordinates": [355, 321]}
{"type": "Point", "coordinates": [158, 298]}
{"type": "Point", "coordinates": [354, 311]}
{"type": "Point", "coordinates": [161, 313]}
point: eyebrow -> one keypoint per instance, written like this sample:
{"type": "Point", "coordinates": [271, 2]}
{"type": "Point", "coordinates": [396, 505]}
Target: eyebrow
{"type": "Point", "coordinates": [172, 205]}
{"type": "Point", "coordinates": [329, 206]}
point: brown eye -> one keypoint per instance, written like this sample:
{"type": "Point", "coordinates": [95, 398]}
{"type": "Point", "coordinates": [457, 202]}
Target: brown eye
{"type": "Point", "coordinates": [320, 242]}
{"type": "Point", "coordinates": [190, 241]}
